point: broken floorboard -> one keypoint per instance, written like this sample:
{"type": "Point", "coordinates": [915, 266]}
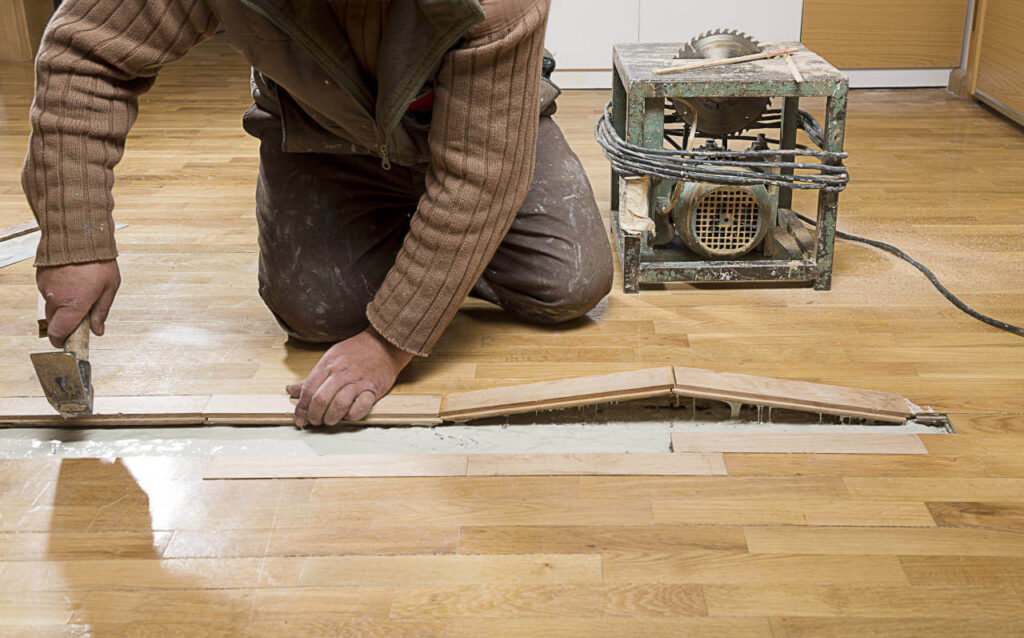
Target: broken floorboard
{"type": "Point", "coordinates": [401, 409]}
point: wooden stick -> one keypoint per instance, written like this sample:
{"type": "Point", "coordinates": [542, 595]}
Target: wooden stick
{"type": "Point", "coordinates": [744, 58]}
{"type": "Point", "coordinates": [792, 69]}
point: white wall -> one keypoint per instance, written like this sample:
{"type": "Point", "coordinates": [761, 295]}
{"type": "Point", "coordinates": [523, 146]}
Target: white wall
{"type": "Point", "coordinates": [581, 34]}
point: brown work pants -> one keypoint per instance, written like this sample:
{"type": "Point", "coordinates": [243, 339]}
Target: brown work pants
{"type": "Point", "coordinates": [330, 226]}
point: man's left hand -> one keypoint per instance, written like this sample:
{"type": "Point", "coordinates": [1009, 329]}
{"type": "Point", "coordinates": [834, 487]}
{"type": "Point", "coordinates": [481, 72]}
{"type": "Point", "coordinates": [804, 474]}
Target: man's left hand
{"type": "Point", "coordinates": [346, 382]}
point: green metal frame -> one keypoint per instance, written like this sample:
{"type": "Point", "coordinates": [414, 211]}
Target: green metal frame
{"type": "Point", "coordinates": [638, 115]}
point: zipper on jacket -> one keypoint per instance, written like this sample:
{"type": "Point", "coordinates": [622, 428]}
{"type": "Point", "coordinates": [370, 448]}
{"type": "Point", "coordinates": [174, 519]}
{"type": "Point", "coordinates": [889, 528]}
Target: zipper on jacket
{"type": "Point", "coordinates": [447, 43]}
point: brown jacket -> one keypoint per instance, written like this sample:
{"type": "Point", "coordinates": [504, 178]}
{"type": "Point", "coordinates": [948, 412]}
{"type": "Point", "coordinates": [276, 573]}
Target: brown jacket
{"type": "Point", "coordinates": [481, 58]}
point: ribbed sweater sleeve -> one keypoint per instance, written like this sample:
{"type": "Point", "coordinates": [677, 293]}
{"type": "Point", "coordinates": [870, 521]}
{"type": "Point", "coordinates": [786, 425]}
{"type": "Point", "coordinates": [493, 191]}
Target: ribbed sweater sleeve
{"type": "Point", "coordinates": [96, 58]}
{"type": "Point", "coordinates": [483, 138]}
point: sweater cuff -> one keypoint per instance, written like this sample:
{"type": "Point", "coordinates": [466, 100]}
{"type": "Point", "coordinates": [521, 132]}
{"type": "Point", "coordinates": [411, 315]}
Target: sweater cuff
{"type": "Point", "coordinates": [403, 342]}
{"type": "Point", "coordinates": [79, 247]}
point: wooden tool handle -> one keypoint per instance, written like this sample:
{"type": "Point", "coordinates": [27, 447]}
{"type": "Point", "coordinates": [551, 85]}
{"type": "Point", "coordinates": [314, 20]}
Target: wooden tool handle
{"type": "Point", "coordinates": [78, 341]}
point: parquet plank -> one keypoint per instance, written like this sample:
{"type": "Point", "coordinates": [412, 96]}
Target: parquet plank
{"type": "Point", "coordinates": [445, 488]}
{"type": "Point", "coordinates": [548, 600]}
{"type": "Point", "coordinates": [513, 512]}
{"type": "Point", "coordinates": [33, 546]}
{"type": "Point", "coordinates": [937, 489]}
{"type": "Point", "coordinates": [564, 393]}
{"type": "Point", "coordinates": [796, 512]}
{"type": "Point", "coordinates": [344, 465]}
{"type": "Point", "coordinates": [610, 627]}
{"type": "Point", "coordinates": [577, 539]}
{"type": "Point", "coordinates": [712, 487]}
{"type": "Point", "coordinates": [918, 465]}
{"type": "Point", "coordinates": [740, 567]}
{"type": "Point", "coordinates": [798, 443]}
{"type": "Point", "coordinates": [649, 464]}
{"type": "Point", "coordinates": [132, 574]}
{"type": "Point", "coordinates": [869, 601]}
{"type": "Point", "coordinates": [964, 570]}
{"type": "Point", "coordinates": [406, 571]}
{"type": "Point", "coordinates": [321, 603]}
{"type": "Point", "coordinates": [978, 514]}
{"type": "Point", "coordinates": [327, 541]}
{"type": "Point", "coordinates": [897, 627]}
{"type": "Point", "coordinates": [911, 541]}
{"type": "Point", "coordinates": [785, 393]}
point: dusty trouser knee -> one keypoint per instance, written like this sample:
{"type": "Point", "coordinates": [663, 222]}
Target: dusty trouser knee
{"type": "Point", "coordinates": [555, 263]}
{"type": "Point", "coordinates": [329, 232]}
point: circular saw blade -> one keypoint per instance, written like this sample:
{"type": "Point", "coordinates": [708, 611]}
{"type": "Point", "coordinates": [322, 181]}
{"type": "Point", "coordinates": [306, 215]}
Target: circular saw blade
{"type": "Point", "coordinates": [719, 44]}
{"type": "Point", "coordinates": [720, 116]}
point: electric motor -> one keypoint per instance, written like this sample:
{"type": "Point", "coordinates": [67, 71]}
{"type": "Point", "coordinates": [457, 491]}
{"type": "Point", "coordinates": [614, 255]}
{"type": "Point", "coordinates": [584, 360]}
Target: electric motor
{"type": "Point", "coordinates": [720, 221]}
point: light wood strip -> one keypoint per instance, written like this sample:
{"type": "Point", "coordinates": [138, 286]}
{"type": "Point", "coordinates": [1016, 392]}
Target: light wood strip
{"type": "Point", "coordinates": [517, 512]}
{"type": "Point", "coordinates": [398, 465]}
{"type": "Point", "coordinates": [347, 465]}
{"type": "Point", "coordinates": [785, 512]}
{"type": "Point", "coordinates": [798, 443]}
{"type": "Point", "coordinates": [108, 411]}
{"type": "Point", "coordinates": [523, 569]}
{"type": "Point", "coordinates": [326, 603]}
{"type": "Point", "coordinates": [595, 463]}
{"type": "Point", "coordinates": [607, 627]}
{"type": "Point", "coordinates": [964, 570]}
{"type": "Point", "coordinates": [564, 393]}
{"type": "Point", "coordinates": [597, 538]}
{"type": "Point", "coordinates": [548, 600]}
{"type": "Point", "coordinates": [871, 601]}
{"type": "Point", "coordinates": [737, 567]}
{"type": "Point", "coordinates": [937, 489]}
{"type": "Point", "coordinates": [891, 465]}
{"type": "Point", "coordinates": [978, 514]}
{"type": "Point", "coordinates": [897, 627]}
{"type": "Point", "coordinates": [445, 488]}
{"type": "Point", "coordinates": [795, 395]}
{"type": "Point", "coordinates": [909, 541]}
{"type": "Point", "coordinates": [274, 409]}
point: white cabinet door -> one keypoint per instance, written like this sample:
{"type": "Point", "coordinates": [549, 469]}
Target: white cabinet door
{"type": "Point", "coordinates": [680, 20]}
{"type": "Point", "coordinates": [581, 34]}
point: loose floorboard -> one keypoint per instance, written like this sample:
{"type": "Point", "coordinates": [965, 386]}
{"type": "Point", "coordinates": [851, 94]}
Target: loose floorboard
{"type": "Point", "coordinates": [790, 545]}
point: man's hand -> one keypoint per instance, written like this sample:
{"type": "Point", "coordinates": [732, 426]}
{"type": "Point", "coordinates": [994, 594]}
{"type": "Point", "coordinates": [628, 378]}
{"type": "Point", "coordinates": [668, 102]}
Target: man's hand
{"type": "Point", "coordinates": [74, 291]}
{"type": "Point", "coordinates": [346, 382]}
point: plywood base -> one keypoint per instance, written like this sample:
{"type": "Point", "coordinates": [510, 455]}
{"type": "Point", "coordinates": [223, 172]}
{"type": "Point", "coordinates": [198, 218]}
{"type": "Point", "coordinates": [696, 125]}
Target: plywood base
{"type": "Point", "coordinates": [404, 409]}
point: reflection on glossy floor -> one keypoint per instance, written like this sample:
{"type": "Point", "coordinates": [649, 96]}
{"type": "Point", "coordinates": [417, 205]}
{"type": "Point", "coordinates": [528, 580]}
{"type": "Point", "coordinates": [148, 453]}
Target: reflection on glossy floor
{"type": "Point", "coordinates": [783, 545]}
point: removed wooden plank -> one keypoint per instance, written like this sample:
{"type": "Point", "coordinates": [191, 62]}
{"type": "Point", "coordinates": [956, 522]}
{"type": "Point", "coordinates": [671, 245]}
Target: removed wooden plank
{"type": "Point", "coordinates": [17, 230]}
{"type": "Point", "coordinates": [553, 395]}
{"type": "Point", "coordinates": [18, 243]}
{"type": "Point", "coordinates": [137, 410]}
{"type": "Point", "coordinates": [279, 409]}
{"type": "Point", "coordinates": [799, 443]}
{"type": "Point", "coordinates": [341, 465]}
{"type": "Point", "coordinates": [793, 395]}
{"type": "Point", "coordinates": [650, 464]}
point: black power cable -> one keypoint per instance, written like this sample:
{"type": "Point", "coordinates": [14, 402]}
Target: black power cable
{"type": "Point", "coordinates": [1017, 330]}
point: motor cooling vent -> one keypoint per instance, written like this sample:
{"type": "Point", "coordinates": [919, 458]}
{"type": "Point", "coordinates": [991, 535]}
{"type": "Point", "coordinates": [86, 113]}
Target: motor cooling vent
{"type": "Point", "coordinates": [727, 220]}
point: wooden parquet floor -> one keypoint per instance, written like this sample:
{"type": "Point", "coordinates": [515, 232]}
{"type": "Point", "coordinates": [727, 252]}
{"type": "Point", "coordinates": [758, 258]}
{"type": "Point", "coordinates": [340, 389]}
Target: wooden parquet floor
{"type": "Point", "coordinates": [783, 545]}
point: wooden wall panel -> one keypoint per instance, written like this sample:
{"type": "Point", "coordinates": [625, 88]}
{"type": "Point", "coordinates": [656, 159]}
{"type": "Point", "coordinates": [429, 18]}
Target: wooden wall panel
{"type": "Point", "coordinates": [1001, 57]}
{"type": "Point", "coordinates": [21, 27]}
{"type": "Point", "coordinates": [886, 34]}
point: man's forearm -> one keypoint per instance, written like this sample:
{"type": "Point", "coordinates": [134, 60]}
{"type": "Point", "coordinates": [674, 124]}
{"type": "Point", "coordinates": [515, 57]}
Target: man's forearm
{"type": "Point", "coordinates": [96, 58]}
{"type": "Point", "coordinates": [483, 140]}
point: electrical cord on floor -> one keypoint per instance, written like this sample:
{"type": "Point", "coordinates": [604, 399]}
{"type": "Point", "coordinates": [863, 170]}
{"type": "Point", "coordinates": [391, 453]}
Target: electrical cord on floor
{"type": "Point", "coordinates": [1017, 330]}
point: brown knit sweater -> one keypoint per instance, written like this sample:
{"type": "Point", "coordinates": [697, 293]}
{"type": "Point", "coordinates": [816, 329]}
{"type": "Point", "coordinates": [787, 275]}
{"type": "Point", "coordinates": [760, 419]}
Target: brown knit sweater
{"type": "Point", "coordinates": [98, 56]}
